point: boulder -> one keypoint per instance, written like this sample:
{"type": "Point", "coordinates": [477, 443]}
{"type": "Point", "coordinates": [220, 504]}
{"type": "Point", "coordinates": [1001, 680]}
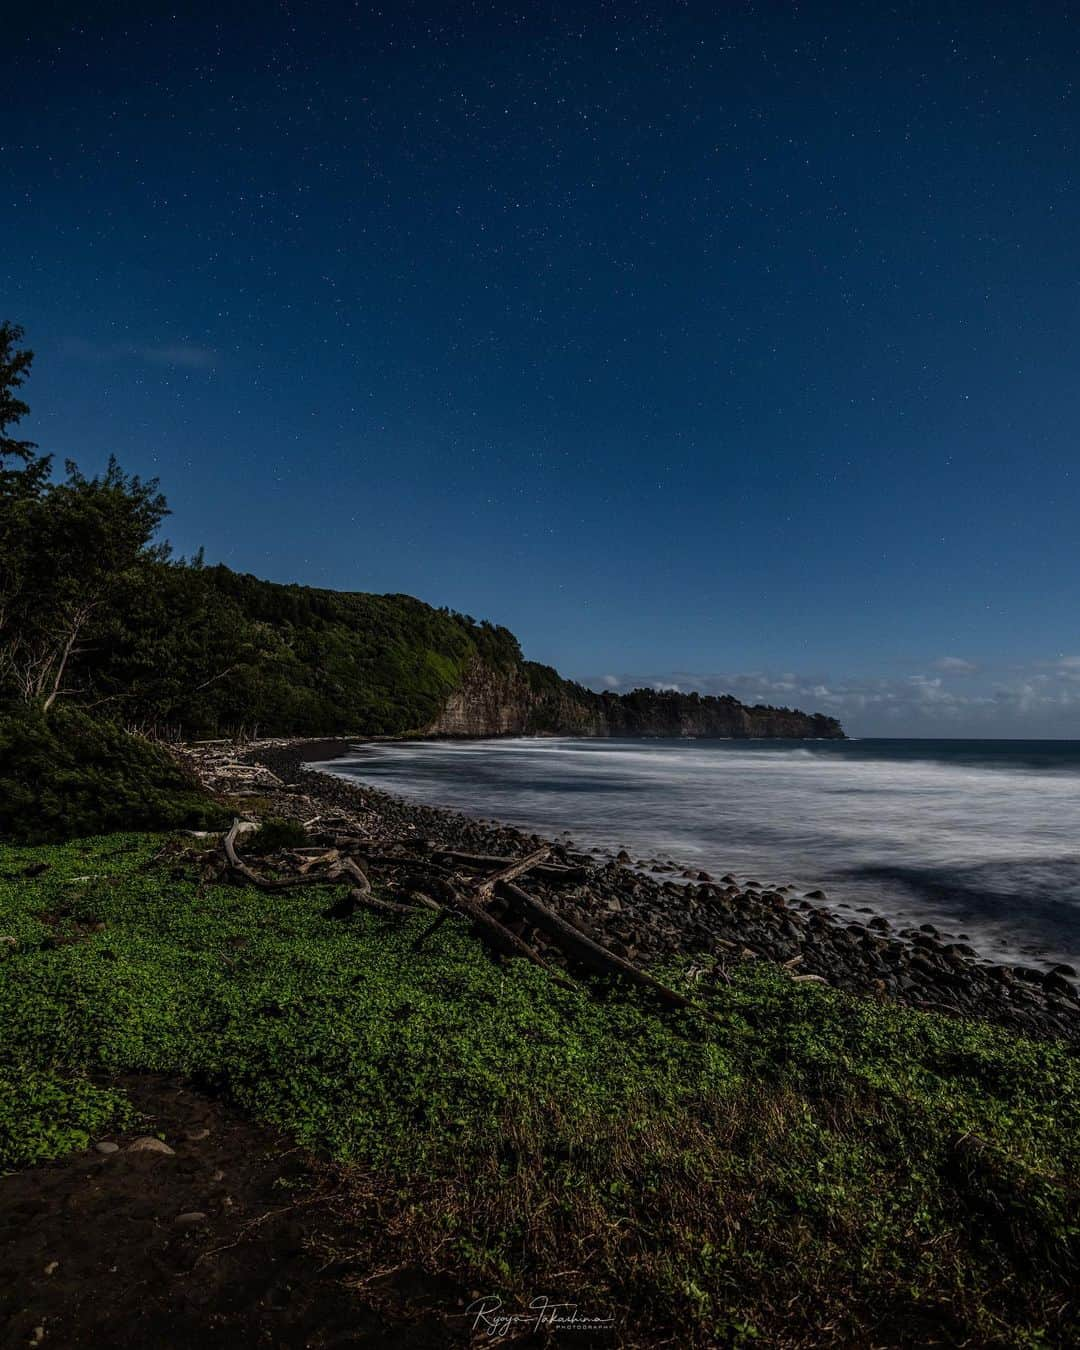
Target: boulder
{"type": "Point", "coordinates": [148, 1144]}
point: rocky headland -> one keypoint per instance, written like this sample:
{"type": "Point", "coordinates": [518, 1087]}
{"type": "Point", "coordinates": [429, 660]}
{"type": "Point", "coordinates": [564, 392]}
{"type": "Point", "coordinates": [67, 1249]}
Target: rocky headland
{"type": "Point", "coordinates": [529, 699]}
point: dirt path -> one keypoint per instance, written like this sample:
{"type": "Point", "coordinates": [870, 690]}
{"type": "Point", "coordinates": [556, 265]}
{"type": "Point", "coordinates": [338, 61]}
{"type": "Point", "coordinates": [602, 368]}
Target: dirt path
{"type": "Point", "coordinates": [94, 1250]}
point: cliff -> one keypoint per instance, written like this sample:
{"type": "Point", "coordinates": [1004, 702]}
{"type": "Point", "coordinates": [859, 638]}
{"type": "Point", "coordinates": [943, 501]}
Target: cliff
{"type": "Point", "coordinates": [534, 700]}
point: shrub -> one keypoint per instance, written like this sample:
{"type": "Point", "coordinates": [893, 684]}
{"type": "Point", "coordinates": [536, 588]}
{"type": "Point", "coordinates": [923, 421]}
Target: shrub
{"type": "Point", "coordinates": [277, 833]}
{"type": "Point", "coordinates": [72, 774]}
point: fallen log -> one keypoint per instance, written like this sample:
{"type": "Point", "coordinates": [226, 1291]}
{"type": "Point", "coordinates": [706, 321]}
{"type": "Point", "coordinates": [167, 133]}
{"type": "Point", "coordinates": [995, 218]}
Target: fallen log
{"type": "Point", "coordinates": [549, 870]}
{"type": "Point", "coordinates": [515, 869]}
{"type": "Point", "coordinates": [330, 858]}
{"type": "Point", "coordinates": [419, 941]}
{"type": "Point", "coordinates": [347, 906]}
{"type": "Point", "coordinates": [363, 883]}
{"type": "Point", "coordinates": [425, 901]}
{"type": "Point", "coordinates": [584, 949]}
{"type": "Point", "coordinates": [504, 941]}
{"type": "Point", "coordinates": [427, 874]}
{"type": "Point", "coordinates": [356, 871]}
{"type": "Point", "coordinates": [237, 865]}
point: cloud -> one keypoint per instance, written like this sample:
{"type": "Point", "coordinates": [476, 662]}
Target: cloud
{"type": "Point", "coordinates": [182, 354]}
{"type": "Point", "coordinates": [955, 665]}
{"type": "Point", "coordinates": [1068, 667]}
{"type": "Point", "coordinates": [1038, 699]}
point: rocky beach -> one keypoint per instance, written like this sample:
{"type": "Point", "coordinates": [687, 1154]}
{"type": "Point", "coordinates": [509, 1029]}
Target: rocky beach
{"type": "Point", "coordinates": [653, 910]}
{"type": "Point", "coordinates": [291, 1105]}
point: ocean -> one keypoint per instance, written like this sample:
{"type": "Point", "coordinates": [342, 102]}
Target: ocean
{"type": "Point", "coordinates": [979, 838]}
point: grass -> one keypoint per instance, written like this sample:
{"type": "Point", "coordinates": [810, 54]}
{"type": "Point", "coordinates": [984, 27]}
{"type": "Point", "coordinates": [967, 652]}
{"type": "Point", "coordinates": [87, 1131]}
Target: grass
{"type": "Point", "coordinates": [802, 1168]}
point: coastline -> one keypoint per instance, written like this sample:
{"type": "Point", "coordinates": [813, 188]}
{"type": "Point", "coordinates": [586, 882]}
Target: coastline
{"type": "Point", "coordinates": [288, 1117]}
{"type": "Point", "coordinates": [653, 911]}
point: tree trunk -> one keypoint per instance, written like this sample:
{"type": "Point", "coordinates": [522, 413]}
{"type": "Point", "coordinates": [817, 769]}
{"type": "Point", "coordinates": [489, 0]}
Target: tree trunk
{"type": "Point", "coordinates": [80, 617]}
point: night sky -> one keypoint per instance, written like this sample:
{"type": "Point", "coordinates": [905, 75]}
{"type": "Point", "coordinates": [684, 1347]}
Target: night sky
{"type": "Point", "coordinates": [727, 346]}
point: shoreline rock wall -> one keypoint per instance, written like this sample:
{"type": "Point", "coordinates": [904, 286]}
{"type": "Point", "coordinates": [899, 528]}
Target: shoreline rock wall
{"type": "Point", "coordinates": [534, 700]}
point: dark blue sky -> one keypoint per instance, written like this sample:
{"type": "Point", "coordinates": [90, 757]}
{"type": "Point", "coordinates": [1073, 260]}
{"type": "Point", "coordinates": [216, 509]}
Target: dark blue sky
{"type": "Point", "coordinates": [730, 346]}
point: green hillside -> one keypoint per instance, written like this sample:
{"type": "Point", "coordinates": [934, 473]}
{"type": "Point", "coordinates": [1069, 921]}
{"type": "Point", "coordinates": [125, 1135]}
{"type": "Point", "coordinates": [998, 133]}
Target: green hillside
{"type": "Point", "coordinates": [204, 650]}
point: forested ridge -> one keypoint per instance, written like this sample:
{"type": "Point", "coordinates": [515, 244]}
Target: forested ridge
{"type": "Point", "coordinates": [96, 615]}
{"type": "Point", "coordinates": [195, 651]}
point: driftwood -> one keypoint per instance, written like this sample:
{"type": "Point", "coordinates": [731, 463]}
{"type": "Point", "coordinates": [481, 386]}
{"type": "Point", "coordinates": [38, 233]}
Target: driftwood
{"type": "Point", "coordinates": [238, 866]}
{"type": "Point", "coordinates": [358, 874]}
{"type": "Point", "coordinates": [510, 872]}
{"type": "Point", "coordinates": [435, 924]}
{"type": "Point", "coordinates": [430, 879]}
{"type": "Point", "coordinates": [550, 871]}
{"type": "Point", "coordinates": [357, 899]}
{"type": "Point", "coordinates": [500, 937]}
{"type": "Point", "coordinates": [585, 949]}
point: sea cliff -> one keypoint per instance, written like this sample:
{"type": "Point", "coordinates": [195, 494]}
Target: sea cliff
{"type": "Point", "coordinates": [534, 700]}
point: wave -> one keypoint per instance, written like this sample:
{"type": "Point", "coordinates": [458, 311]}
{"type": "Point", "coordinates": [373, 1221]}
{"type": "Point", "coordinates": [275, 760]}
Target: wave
{"type": "Point", "coordinates": [983, 835]}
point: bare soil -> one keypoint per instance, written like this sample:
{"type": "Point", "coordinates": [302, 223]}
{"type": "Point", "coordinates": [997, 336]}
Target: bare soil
{"type": "Point", "coordinates": [94, 1252]}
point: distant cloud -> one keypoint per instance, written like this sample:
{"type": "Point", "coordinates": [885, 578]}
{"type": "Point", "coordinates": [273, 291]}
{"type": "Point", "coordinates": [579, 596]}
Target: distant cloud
{"type": "Point", "coordinates": [1069, 666]}
{"type": "Point", "coordinates": [183, 354]}
{"type": "Point", "coordinates": [1038, 699]}
{"type": "Point", "coordinates": [955, 665]}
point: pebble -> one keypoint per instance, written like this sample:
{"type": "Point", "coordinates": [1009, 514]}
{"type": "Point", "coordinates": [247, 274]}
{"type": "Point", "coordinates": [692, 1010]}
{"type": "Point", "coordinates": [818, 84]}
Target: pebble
{"type": "Point", "coordinates": [107, 1146]}
{"type": "Point", "coordinates": [196, 1135]}
{"type": "Point", "coordinates": [191, 1219]}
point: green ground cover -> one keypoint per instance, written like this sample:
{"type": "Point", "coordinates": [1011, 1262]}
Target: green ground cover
{"type": "Point", "coordinates": [802, 1167]}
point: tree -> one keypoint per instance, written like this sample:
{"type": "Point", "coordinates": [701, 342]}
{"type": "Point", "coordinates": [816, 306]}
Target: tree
{"type": "Point", "coordinates": [23, 479]}
{"type": "Point", "coordinates": [15, 365]}
{"type": "Point", "coordinates": [92, 536]}
{"type": "Point", "coordinates": [65, 548]}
